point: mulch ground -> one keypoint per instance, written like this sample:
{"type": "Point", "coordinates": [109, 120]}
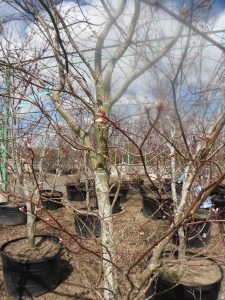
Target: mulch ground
{"type": "Point", "coordinates": [81, 264]}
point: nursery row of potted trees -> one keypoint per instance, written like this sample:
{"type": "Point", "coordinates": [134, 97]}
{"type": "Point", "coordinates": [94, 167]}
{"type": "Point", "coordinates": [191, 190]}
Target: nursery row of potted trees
{"type": "Point", "coordinates": [197, 233]}
{"type": "Point", "coordinates": [38, 272]}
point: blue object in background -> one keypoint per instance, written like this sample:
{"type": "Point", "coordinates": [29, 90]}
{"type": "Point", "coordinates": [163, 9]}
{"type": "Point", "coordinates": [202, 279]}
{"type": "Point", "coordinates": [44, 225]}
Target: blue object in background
{"type": "Point", "coordinates": [208, 202]}
{"type": "Point", "coordinates": [47, 91]}
{"type": "Point", "coordinates": [180, 180]}
{"type": "Point", "coordinates": [197, 189]}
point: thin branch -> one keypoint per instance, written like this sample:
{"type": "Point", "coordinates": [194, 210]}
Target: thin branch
{"type": "Point", "coordinates": [183, 21]}
{"type": "Point", "coordinates": [149, 64]}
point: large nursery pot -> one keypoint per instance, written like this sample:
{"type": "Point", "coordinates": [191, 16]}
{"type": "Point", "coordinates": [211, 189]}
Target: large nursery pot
{"type": "Point", "coordinates": [77, 192]}
{"type": "Point", "coordinates": [123, 194]}
{"type": "Point", "coordinates": [151, 208]}
{"type": "Point", "coordinates": [167, 187]}
{"type": "Point", "coordinates": [116, 207]}
{"type": "Point", "coordinates": [33, 273]}
{"type": "Point", "coordinates": [51, 200]}
{"type": "Point", "coordinates": [203, 282]}
{"type": "Point", "coordinates": [52, 171]}
{"type": "Point", "coordinates": [156, 208]}
{"type": "Point", "coordinates": [219, 190]}
{"type": "Point", "coordinates": [197, 231]}
{"type": "Point", "coordinates": [135, 185]}
{"type": "Point", "coordinates": [87, 224]}
{"type": "Point", "coordinates": [124, 190]}
{"type": "Point", "coordinates": [91, 187]}
{"type": "Point", "coordinates": [12, 213]}
{"type": "Point", "coordinates": [218, 201]}
{"type": "Point", "coordinates": [74, 193]}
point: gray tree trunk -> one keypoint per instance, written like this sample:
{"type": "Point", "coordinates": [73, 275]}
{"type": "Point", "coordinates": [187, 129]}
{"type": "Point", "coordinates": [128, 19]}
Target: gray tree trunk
{"type": "Point", "coordinates": [107, 237]}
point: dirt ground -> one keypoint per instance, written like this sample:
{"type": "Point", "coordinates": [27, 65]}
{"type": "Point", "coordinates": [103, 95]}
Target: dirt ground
{"type": "Point", "coordinates": [81, 269]}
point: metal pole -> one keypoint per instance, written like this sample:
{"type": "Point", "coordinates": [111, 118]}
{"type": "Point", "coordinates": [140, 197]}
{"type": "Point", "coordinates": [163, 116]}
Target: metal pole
{"type": "Point", "coordinates": [128, 160]}
{"type": "Point", "coordinates": [5, 134]}
{"type": "Point", "coordinates": [145, 158]}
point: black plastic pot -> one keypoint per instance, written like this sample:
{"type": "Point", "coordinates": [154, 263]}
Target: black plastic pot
{"type": "Point", "coordinates": [91, 187]}
{"type": "Point", "coordinates": [11, 214]}
{"type": "Point", "coordinates": [137, 182]}
{"type": "Point", "coordinates": [75, 193]}
{"type": "Point", "coordinates": [197, 235]}
{"type": "Point", "coordinates": [52, 171]}
{"type": "Point", "coordinates": [51, 200]}
{"type": "Point", "coordinates": [155, 208]}
{"type": "Point", "coordinates": [69, 171]}
{"type": "Point", "coordinates": [116, 207]}
{"type": "Point", "coordinates": [219, 190]}
{"type": "Point", "coordinates": [24, 277]}
{"type": "Point", "coordinates": [135, 186]}
{"type": "Point", "coordinates": [123, 192]}
{"type": "Point", "coordinates": [87, 225]}
{"type": "Point", "coordinates": [165, 289]}
{"type": "Point", "coordinates": [151, 209]}
{"type": "Point", "coordinates": [218, 201]}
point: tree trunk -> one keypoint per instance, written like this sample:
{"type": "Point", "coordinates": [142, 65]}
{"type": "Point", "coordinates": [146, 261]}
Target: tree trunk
{"type": "Point", "coordinates": [107, 237]}
{"type": "Point", "coordinates": [30, 226]}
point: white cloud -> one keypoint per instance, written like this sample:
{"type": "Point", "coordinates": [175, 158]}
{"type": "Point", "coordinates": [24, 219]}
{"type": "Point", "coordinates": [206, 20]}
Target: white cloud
{"type": "Point", "coordinates": [85, 36]}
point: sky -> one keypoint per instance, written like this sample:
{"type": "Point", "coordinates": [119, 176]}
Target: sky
{"type": "Point", "coordinates": [142, 88]}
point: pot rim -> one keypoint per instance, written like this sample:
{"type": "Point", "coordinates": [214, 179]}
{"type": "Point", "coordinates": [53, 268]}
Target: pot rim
{"type": "Point", "coordinates": [27, 260]}
{"type": "Point", "coordinates": [10, 204]}
{"type": "Point", "coordinates": [189, 253]}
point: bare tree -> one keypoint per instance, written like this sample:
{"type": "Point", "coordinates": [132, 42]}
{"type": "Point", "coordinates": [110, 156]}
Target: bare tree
{"type": "Point", "coordinates": [88, 67]}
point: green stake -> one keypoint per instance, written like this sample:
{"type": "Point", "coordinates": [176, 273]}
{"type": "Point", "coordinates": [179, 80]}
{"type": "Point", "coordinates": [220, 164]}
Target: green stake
{"type": "Point", "coordinates": [5, 134]}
